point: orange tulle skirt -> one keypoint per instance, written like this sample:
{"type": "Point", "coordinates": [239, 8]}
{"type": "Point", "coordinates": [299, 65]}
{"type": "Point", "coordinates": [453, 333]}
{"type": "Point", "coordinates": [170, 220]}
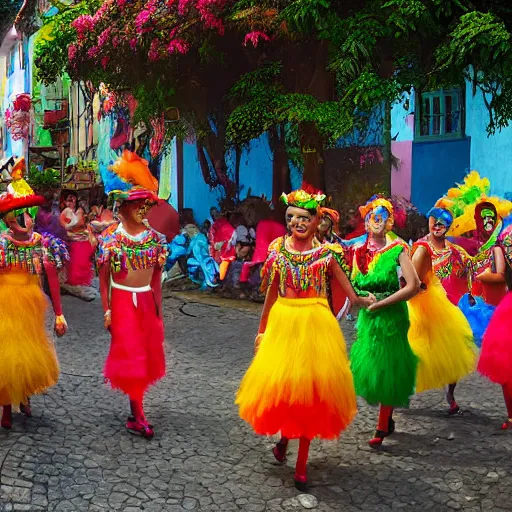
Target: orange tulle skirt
{"type": "Point", "coordinates": [299, 382]}
{"type": "Point", "coordinates": [28, 362]}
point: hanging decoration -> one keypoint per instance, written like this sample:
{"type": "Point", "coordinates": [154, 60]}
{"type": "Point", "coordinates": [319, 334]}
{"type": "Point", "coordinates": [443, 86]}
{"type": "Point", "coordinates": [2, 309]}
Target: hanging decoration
{"type": "Point", "coordinates": [17, 118]}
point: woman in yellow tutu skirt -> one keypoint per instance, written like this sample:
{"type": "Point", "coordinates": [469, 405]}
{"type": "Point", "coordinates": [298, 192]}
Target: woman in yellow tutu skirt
{"type": "Point", "coordinates": [439, 333]}
{"type": "Point", "coordinates": [299, 382]}
{"type": "Point", "coordinates": [28, 363]}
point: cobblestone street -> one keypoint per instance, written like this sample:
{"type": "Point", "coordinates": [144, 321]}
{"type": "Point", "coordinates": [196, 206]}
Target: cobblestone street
{"type": "Point", "coordinates": [75, 454]}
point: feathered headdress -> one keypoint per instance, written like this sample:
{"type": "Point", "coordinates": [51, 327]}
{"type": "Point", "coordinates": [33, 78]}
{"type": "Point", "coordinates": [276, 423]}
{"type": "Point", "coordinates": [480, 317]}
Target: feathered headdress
{"type": "Point", "coordinates": [134, 171]}
{"type": "Point", "coordinates": [306, 198]}
{"type": "Point", "coordinates": [463, 200]}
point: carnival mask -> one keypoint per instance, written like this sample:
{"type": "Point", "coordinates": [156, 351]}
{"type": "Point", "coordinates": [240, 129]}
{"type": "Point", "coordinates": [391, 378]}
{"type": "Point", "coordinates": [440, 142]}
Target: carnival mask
{"type": "Point", "coordinates": [301, 223]}
{"type": "Point", "coordinates": [135, 210]}
{"type": "Point", "coordinates": [377, 220]}
{"type": "Point", "coordinates": [489, 220]}
{"type": "Point", "coordinates": [439, 222]}
{"type": "Point", "coordinates": [19, 222]}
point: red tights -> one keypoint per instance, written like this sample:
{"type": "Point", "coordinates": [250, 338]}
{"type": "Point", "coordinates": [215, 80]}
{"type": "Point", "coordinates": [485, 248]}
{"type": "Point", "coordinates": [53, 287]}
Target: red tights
{"type": "Point", "coordinates": [385, 414]}
{"type": "Point", "coordinates": [507, 394]}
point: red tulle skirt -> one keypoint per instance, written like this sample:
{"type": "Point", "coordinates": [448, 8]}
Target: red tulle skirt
{"type": "Point", "coordinates": [80, 269]}
{"type": "Point", "coordinates": [136, 358]}
{"type": "Point", "coordinates": [496, 353]}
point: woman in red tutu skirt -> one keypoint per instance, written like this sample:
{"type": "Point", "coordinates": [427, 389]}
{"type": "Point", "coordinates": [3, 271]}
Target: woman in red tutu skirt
{"type": "Point", "coordinates": [496, 354]}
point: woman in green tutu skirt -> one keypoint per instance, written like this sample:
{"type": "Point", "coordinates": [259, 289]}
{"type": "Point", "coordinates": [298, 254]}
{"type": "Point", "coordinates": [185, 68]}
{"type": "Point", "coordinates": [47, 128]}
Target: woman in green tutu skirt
{"type": "Point", "coordinates": [382, 362]}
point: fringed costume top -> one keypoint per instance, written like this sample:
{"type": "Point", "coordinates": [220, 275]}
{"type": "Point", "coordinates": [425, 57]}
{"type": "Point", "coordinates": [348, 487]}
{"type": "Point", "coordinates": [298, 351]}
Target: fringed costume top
{"type": "Point", "coordinates": [126, 252]}
{"type": "Point", "coordinates": [30, 256]}
{"type": "Point", "coordinates": [301, 272]}
{"type": "Point", "coordinates": [452, 266]}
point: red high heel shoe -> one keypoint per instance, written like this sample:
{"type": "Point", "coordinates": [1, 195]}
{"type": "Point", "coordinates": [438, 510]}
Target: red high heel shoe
{"type": "Point", "coordinates": [139, 426]}
{"type": "Point", "coordinates": [380, 435]}
{"type": "Point", "coordinates": [279, 451]}
{"type": "Point", "coordinates": [26, 409]}
{"type": "Point", "coordinates": [507, 425]}
{"type": "Point", "coordinates": [301, 482]}
{"type": "Point", "coordinates": [7, 417]}
{"type": "Point", "coordinates": [454, 409]}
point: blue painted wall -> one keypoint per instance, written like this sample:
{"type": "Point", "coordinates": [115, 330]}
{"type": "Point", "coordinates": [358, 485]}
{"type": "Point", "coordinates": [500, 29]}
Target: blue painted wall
{"type": "Point", "coordinates": [255, 175]}
{"type": "Point", "coordinates": [373, 136]}
{"type": "Point", "coordinates": [196, 193]}
{"type": "Point", "coordinates": [402, 118]}
{"type": "Point", "coordinates": [255, 168]}
{"type": "Point", "coordinates": [436, 166]}
{"type": "Point", "coordinates": [490, 156]}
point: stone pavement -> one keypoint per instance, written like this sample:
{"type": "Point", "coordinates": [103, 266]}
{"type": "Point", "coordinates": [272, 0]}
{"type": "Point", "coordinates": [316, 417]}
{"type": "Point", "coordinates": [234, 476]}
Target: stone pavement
{"type": "Point", "coordinates": [74, 454]}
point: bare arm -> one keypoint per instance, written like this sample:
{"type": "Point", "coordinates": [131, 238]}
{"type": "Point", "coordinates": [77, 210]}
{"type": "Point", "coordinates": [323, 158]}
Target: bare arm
{"type": "Point", "coordinates": [104, 275]}
{"type": "Point", "coordinates": [411, 288]}
{"type": "Point", "coordinates": [422, 262]}
{"type": "Point", "coordinates": [61, 325]}
{"type": "Point", "coordinates": [156, 286]}
{"type": "Point", "coordinates": [270, 300]}
{"type": "Point", "coordinates": [347, 287]}
{"type": "Point", "coordinates": [498, 276]}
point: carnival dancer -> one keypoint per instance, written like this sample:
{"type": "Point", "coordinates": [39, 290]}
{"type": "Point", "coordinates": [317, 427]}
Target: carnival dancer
{"type": "Point", "coordinates": [80, 271]}
{"type": "Point", "coordinates": [480, 215]}
{"type": "Point", "coordinates": [381, 359]}
{"type": "Point", "coordinates": [439, 334]}
{"type": "Point", "coordinates": [28, 362]}
{"type": "Point", "coordinates": [328, 229]}
{"type": "Point", "coordinates": [299, 382]}
{"type": "Point", "coordinates": [495, 361]}
{"type": "Point", "coordinates": [130, 259]}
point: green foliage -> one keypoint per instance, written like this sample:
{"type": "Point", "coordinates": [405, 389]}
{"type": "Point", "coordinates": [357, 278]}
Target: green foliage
{"type": "Point", "coordinates": [8, 11]}
{"type": "Point", "coordinates": [151, 101]}
{"type": "Point", "coordinates": [47, 179]}
{"type": "Point", "coordinates": [51, 48]}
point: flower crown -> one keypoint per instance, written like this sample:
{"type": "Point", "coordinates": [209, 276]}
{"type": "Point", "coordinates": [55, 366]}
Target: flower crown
{"type": "Point", "coordinates": [303, 199]}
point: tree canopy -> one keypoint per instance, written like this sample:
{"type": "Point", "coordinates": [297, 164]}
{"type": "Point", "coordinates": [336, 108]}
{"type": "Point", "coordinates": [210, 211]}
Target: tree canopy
{"type": "Point", "coordinates": [306, 71]}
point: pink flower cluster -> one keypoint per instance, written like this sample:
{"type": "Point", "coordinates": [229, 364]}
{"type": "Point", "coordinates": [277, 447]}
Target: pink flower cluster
{"type": "Point", "coordinates": [254, 38]}
{"type": "Point", "coordinates": [83, 25]}
{"type": "Point", "coordinates": [178, 46]}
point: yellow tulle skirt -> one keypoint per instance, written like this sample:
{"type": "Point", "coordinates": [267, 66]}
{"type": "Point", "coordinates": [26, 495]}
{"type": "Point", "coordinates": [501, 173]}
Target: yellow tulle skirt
{"type": "Point", "coordinates": [299, 382]}
{"type": "Point", "coordinates": [28, 362]}
{"type": "Point", "coordinates": [441, 337]}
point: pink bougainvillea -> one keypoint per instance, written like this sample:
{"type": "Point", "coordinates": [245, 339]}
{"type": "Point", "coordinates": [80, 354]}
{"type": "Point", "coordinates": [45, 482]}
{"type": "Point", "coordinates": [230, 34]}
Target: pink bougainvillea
{"type": "Point", "coordinates": [178, 46]}
{"type": "Point", "coordinates": [104, 37]}
{"type": "Point", "coordinates": [153, 53]}
{"type": "Point", "coordinates": [254, 38]}
{"type": "Point", "coordinates": [83, 25]}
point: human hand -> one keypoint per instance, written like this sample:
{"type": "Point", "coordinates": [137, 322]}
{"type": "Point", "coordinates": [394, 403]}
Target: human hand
{"type": "Point", "coordinates": [366, 302]}
{"type": "Point", "coordinates": [257, 342]}
{"type": "Point", "coordinates": [61, 326]}
{"type": "Point", "coordinates": [374, 306]}
{"type": "Point", "coordinates": [107, 320]}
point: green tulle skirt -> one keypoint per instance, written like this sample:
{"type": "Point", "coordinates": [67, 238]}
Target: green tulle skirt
{"type": "Point", "coordinates": [381, 359]}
